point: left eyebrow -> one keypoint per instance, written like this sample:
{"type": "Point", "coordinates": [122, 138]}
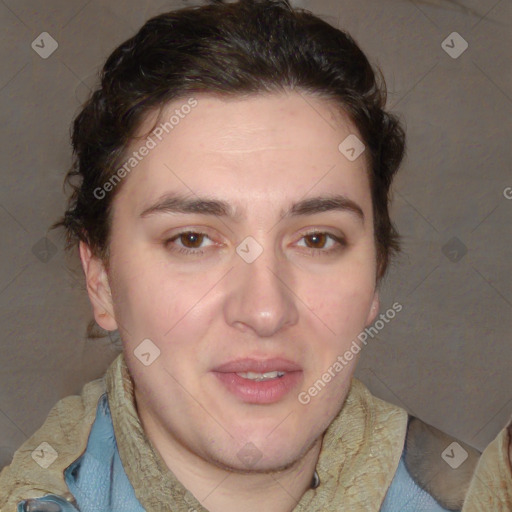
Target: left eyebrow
{"type": "Point", "coordinates": [175, 203]}
{"type": "Point", "coordinates": [324, 204]}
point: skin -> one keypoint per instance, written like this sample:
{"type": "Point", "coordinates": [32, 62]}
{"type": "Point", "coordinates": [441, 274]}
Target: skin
{"type": "Point", "coordinates": [296, 300]}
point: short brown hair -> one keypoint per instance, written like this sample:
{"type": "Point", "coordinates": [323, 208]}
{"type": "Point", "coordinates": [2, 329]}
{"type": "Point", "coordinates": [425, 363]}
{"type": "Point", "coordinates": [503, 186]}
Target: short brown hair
{"type": "Point", "coordinates": [228, 49]}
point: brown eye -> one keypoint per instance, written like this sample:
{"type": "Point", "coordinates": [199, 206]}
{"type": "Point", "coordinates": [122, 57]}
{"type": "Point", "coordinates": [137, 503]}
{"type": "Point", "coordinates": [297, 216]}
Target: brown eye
{"type": "Point", "coordinates": [191, 240]}
{"type": "Point", "coordinates": [318, 240]}
{"type": "Point", "coordinates": [189, 243]}
{"type": "Point", "coordinates": [318, 243]}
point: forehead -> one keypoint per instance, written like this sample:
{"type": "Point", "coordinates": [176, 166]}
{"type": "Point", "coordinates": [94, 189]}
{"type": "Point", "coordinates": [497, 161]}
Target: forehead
{"type": "Point", "coordinates": [261, 148]}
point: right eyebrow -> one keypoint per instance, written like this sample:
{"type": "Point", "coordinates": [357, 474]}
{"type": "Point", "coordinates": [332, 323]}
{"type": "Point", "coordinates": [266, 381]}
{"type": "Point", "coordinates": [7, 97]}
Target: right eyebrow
{"type": "Point", "coordinates": [173, 203]}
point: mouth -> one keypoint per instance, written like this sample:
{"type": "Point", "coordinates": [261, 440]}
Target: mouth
{"type": "Point", "coordinates": [260, 377]}
{"type": "Point", "coordinates": [259, 381]}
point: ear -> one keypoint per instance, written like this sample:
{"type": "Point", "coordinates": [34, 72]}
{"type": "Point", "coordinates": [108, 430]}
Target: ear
{"type": "Point", "coordinates": [374, 309]}
{"type": "Point", "coordinates": [98, 288]}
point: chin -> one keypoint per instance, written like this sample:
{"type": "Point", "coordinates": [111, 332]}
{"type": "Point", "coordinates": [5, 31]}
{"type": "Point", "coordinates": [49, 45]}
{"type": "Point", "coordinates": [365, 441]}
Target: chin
{"type": "Point", "coordinates": [256, 462]}
{"type": "Point", "coordinates": [263, 456]}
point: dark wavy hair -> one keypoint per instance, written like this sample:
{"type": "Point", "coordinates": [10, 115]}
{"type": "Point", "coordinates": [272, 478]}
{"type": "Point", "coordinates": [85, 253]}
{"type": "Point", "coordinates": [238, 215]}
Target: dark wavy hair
{"type": "Point", "coordinates": [227, 49]}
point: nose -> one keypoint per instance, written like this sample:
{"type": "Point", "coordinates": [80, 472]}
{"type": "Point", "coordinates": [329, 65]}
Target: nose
{"type": "Point", "coordinates": [260, 297]}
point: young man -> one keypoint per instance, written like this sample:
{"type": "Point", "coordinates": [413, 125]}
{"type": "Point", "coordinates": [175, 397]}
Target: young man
{"type": "Point", "coordinates": [232, 222]}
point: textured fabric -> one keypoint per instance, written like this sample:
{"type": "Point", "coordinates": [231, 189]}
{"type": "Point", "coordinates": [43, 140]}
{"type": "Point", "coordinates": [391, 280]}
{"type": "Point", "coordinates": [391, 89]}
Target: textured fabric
{"type": "Point", "coordinates": [359, 460]}
{"type": "Point", "coordinates": [103, 486]}
{"type": "Point", "coordinates": [405, 495]}
{"type": "Point", "coordinates": [99, 483]}
{"type": "Point", "coordinates": [424, 446]}
{"type": "Point", "coordinates": [491, 485]}
{"type": "Point", "coordinates": [66, 430]}
{"type": "Point", "coordinates": [360, 453]}
{"type": "Point", "coordinates": [97, 479]}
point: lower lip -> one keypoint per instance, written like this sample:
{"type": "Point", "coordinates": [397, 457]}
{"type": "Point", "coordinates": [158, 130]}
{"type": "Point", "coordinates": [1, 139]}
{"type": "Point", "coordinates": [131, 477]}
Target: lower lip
{"type": "Point", "coordinates": [262, 392]}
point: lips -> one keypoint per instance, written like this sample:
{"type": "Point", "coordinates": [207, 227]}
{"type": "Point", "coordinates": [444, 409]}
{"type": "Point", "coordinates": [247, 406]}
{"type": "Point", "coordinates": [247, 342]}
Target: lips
{"type": "Point", "coordinates": [258, 366]}
{"type": "Point", "coordinates": [233, 376]}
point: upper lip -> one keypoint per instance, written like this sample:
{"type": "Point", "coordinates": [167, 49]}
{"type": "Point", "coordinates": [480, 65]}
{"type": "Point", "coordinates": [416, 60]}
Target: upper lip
{"type": "Point", "coordinates": [258, 366]}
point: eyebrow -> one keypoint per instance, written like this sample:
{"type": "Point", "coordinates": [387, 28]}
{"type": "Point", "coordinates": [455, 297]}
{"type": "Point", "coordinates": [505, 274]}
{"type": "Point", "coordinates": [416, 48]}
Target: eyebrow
{"type": "Point", "coordinates": [175, 203]}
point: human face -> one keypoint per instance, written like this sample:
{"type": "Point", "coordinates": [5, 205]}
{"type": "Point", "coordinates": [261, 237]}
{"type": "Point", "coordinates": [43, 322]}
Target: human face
{"type": "Point", "coordinates": [212, 311]}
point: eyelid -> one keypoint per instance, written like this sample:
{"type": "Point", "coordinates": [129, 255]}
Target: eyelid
{"type": "Point", "coordinates": [328, 231]}
{"type": "Point", "coordinates": [319, 230]}
{"type": "Point", "coordinates": [340, 241]}
{"type": "Point", "coordinates": [190, 229]}
{"type": "Point", "coordinates": [176, 236]}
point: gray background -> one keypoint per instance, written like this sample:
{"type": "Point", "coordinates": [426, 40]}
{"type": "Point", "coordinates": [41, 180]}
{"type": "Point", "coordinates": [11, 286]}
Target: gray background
{"type": "Point", "coordinates": [445, 358]}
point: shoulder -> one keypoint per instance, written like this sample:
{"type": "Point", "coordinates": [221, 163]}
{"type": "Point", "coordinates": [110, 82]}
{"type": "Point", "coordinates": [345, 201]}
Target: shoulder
{"type": "Point", "coordinates": [37, 467]}
{"type": "Point", "coordinates": [439, 463]}
{"type": "Point", "coordinates": [491, 486]}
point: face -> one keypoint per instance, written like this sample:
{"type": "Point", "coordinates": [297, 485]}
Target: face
{"type": "Point", "coordinates": [242, 244]}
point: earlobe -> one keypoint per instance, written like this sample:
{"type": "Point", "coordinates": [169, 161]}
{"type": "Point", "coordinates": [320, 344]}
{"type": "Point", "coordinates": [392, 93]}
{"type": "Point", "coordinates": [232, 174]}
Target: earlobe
{"type": "Point", "coordinates": [374, 309]}
{"type": "Point", "coordinates": [98, 288]}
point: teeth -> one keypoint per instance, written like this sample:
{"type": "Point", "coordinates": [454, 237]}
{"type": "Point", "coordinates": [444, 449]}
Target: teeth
{"type": "Point", "coordinates": [260, 376]}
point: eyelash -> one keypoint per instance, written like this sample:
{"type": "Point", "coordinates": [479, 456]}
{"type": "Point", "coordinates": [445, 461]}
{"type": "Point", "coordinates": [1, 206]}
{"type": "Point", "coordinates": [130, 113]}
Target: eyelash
{"type": "Point", "coordinates": [340, 241]}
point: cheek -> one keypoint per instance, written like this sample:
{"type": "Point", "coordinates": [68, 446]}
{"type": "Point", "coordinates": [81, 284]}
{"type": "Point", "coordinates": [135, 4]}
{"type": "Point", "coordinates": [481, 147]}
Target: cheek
{"type": "Point", "coordinates": [145, 302]}
{"type": "Point", "coordinates": [342, 301]}
{"type": "Point", "coordinates": [151, 301]}
{"type": "Point", "coordinates": [344, 314]}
